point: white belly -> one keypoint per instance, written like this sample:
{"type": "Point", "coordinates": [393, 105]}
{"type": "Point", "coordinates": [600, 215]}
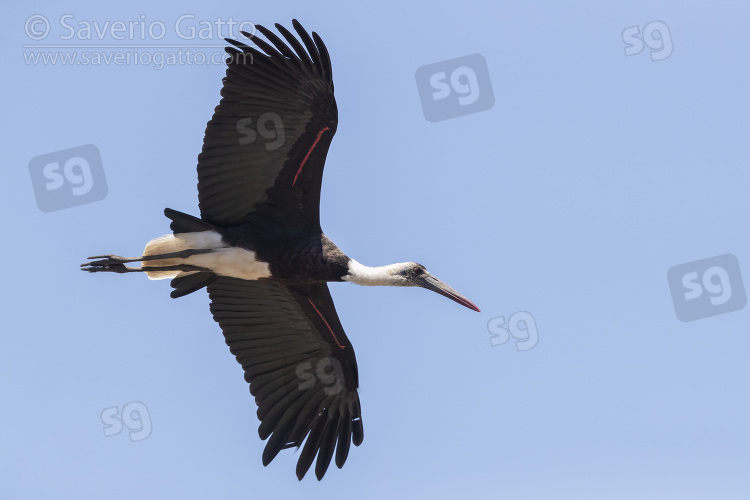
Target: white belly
{"type": "Point", "coordinates": [224, 260]}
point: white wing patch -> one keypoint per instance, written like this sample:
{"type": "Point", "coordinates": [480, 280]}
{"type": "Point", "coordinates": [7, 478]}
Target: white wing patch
{"type": "Point", "coordinates": [224, 260]}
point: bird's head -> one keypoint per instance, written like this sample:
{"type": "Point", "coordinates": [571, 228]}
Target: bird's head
{"type": "Point", "coordinates": [402, 274]}
{"type": "Point", "coordinates": [414, 274]}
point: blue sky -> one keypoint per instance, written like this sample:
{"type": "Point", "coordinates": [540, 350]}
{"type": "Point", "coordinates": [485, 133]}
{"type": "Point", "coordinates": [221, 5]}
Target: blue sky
{"type": "Point", "coordinates": [592, 176]}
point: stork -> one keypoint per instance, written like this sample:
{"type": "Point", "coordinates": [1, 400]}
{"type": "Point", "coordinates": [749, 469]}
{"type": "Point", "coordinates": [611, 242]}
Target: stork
{"type": "Point", "coordinates": [259, 250]}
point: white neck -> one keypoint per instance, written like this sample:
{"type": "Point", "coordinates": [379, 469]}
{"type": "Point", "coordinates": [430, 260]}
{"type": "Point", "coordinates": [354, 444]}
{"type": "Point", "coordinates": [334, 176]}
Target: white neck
{"type": "Point", "coordinates": [376, 276]}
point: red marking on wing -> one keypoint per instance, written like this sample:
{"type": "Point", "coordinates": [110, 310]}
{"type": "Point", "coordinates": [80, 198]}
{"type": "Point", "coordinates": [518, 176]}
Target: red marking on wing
{"type": "Point", "coordinates": [326, 322]}
{"type": "Point", "coordinates": [304, 160]}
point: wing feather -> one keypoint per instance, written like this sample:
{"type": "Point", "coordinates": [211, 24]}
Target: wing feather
{"type": "Point", "coordinates": [264, 149]}
{"type": "Point", "coordinates": [299, 363]}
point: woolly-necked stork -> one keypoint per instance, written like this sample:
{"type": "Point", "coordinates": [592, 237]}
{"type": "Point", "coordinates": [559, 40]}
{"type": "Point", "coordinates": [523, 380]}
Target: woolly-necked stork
{"type": "Point", "coordinates": [259, 250]}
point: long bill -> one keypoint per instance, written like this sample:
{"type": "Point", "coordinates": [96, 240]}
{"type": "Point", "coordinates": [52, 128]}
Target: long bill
{"type": "Point", "coordinates": [432, 283]}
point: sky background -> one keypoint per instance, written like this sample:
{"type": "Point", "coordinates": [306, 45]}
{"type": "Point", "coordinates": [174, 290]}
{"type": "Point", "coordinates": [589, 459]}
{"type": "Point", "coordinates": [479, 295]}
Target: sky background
{"type": "Point", "coordinates": [592, 175]}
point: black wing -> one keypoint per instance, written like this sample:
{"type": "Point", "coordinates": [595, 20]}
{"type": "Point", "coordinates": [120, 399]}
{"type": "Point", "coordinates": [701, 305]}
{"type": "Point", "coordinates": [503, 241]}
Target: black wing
{"type": "Point", "coordinates": [299, 363]}
{"type": "Point", "coordinates": [265, 146]}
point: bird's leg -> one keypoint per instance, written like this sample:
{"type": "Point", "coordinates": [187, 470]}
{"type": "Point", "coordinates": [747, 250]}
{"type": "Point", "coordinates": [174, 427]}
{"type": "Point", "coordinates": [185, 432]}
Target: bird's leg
{"type": "Point", "coordinates": [116, 264]}
{"type": "Point", "coordinates": [122, 268]}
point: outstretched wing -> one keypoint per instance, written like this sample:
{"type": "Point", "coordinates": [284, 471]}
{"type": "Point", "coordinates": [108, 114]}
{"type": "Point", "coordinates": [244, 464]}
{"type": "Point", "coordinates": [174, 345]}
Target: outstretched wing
{"type": "Point", "coordinates": [265, 146]}
{"type": "Point", "coordinates": [299, 363]}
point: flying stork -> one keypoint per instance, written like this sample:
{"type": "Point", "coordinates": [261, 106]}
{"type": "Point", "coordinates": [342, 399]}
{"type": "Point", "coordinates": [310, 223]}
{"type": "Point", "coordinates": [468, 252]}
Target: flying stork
{"type": "Point", "coordinates": [259, 250]}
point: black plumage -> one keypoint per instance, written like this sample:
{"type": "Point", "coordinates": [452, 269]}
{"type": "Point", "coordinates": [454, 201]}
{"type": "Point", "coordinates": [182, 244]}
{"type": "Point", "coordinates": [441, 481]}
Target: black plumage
{"type": "Point", "coordinates": [274, 331]}
{"type": "Point", "coordinates": [261, 181]}
{"type": "Point", "coordinates": [266, 199]}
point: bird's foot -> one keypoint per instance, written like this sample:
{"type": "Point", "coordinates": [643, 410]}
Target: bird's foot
{"type": "Point", "coordinates": [108, 263]}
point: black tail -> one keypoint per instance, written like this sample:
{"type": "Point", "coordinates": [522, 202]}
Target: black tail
{"type": "Point", "coordinates": [184, 223]}
{"type": "Point", "coordinates": [184, 285]}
